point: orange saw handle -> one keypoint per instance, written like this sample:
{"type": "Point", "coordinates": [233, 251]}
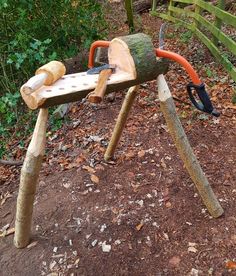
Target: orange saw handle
{"type": "Point", "coordinates": [93, 47]}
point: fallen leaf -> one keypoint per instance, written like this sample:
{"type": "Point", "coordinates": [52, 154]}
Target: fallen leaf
{"type": "Point", "coordinates": [174, 261]}
{"type": "Point", "coordinates": [139, 226]}
{"type": "Point", "coordinates": [141, 153]}
{"type": "Point", "coordinates": [230, 265]}
{"type": "Point", "coordinates": [89, 169]}
{"type": "Point", "coordinates": [94, 178]}
{"type": "Point", "coordinates": [231, 106]}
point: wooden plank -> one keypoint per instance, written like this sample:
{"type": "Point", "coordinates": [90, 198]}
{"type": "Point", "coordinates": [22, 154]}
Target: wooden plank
{"type": "Point", "coordinates": [214, 50]}
{"type": "Point", "coordinates": [218, 55]}
{"type": "Point", "coordinates": [198, 11]}
{"type": "Point", "coordinates": [227, 41]}
{"type": "Point", "coordinates": [226, 17]}
{"type": "Point", "coordinates": [218, 21]}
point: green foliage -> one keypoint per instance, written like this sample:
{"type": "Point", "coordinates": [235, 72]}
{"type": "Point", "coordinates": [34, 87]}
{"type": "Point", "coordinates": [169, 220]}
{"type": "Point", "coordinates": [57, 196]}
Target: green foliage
{"type": "Point", "coordinates": [35, 32]}
{"type": "Point", "coordinates": [186, 36]}
{"type": "Point", "coordinates": [209, 72]}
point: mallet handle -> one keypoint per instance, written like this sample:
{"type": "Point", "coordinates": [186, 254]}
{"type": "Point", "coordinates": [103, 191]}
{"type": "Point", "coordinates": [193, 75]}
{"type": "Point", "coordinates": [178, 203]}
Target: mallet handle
{"type": "Point", "coordinates": [97, 95]}
{"type": "Point", "coordinates": [34, 83]}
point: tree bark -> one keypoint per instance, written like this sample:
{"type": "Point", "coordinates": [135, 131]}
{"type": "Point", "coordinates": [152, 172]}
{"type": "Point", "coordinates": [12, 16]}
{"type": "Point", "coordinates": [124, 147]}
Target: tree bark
{"type": "Point", "coordinates": [28, 181]}
{"type": "Point", "coordinates": [185, 151]}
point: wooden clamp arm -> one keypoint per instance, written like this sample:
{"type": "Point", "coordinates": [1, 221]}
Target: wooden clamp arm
{"type": "Point", "coordinates": [34, 83]}
{"type": "Point", "coordinates": [97, 95]}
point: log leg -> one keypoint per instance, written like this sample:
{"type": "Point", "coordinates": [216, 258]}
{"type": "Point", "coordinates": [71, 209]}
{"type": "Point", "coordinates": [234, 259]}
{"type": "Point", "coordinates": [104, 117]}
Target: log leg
{"type": "Point", "coordinates": [120, 123]}
{"type": "Point", "coordinates": [28, 181]}
{"type": "Point", "coordinates": [185, 151]}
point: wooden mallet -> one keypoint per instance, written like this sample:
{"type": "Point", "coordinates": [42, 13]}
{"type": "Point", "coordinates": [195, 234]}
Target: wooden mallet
{"type": "Point", "coordinates": [45, 75]}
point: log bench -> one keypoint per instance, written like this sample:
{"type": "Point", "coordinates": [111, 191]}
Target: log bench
{"type": "Point", "coordinates": [136, 62]}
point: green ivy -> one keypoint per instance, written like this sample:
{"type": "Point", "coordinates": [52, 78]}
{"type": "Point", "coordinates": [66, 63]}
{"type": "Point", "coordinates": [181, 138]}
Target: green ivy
{"type": "Point", "coordinates": [34, 32]}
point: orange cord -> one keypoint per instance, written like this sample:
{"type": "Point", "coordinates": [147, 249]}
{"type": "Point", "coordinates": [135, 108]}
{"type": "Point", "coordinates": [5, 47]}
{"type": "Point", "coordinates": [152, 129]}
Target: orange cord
{"type": "Point", "coordinates": [182, 61]}
{"type": "Point", "coordinates": [94, 45]}
{"type": "Point", "coordinates": [159, 53]}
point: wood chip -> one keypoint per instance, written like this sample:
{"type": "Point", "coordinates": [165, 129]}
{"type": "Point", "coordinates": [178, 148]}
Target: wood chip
{"type": "Point", "coordinates": [139, 226]}
{"type": "Point", "coordinates": [7, 232]}
{"type": "Point", "coordinates": [94, 178]}
{"type": "Point", "coordinates": [32, 244]}
{"type": "Point", "coordinates": [192, 249]}
{"type": "Point", "coordinates": [77, 261]}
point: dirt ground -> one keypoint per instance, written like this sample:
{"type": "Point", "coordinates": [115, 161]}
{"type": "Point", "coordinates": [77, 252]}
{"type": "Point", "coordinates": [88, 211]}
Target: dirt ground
{"type": "Point", "coordinates": [139, 214]}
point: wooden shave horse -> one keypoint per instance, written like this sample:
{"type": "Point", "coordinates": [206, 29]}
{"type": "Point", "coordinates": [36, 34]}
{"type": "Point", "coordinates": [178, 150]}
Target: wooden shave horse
{"type": "Point", "coordinates": [135, 61]}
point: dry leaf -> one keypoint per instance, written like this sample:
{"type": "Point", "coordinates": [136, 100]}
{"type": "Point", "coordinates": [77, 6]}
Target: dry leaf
{"type": "Point", "coordinates": [174, 261]}
{"type": "Point", "coordinates": [94, 178]}
{"type": "Point", "coordinates": [141, 153]}
{"type": "Point", "coordinates": [230, 265]}
{"type": "Point", "coordinates": [139, 226]}
{"type": "Point", "coordinates": [89, 169]}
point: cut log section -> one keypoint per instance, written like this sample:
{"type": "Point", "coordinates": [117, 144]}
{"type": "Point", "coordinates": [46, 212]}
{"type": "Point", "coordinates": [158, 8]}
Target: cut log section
{"type": "Point", "coordinates": [136, 63]}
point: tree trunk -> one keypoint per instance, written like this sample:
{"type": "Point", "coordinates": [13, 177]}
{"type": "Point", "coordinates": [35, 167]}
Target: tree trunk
{"type": "Point", "coordinates": [185, 151]}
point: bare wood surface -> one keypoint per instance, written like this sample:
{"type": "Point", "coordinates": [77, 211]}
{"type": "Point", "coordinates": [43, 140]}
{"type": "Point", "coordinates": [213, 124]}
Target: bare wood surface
{"type": "Point", "coordinates": [121, 121]}
{"type": "Point", "coordinates": [97, 95]}
{"type": "Point", "coordinates": [45, 75]}
{"type": "Point", "coordinates": [28, 181]}
{"type": "Point", "coordinates": [185, 151]}
{"type": "Point", "coordinates": [136, 63]}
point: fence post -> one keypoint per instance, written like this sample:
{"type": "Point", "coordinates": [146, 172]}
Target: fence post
{"type": "Point", "coordinates": [130, 16]}
{"type": "Point", "coordinates": [170, 13]}
{"type": "Point", "coordinates": [218, 21]}
{"type": "Point", "coordinates": [197, 11]}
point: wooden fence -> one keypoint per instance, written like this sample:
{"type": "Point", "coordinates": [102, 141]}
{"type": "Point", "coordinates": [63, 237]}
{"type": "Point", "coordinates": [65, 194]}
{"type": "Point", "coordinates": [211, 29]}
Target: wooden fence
{"type": "Point", "coordinates": [209, 32]}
